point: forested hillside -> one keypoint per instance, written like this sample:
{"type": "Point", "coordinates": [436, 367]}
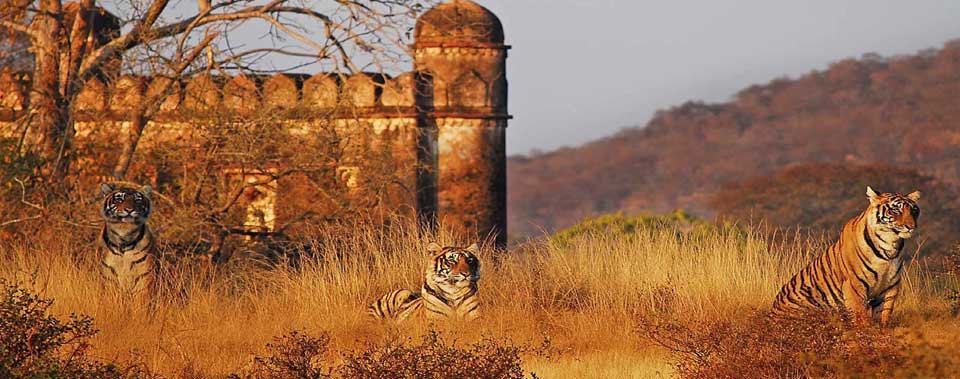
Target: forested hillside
{"type": "Point", "coordinates": [902, 111]}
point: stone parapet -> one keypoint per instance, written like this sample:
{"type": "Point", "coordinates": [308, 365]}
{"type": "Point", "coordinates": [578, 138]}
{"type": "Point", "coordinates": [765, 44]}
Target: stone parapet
{"type": "Point", "coordinates": [300, 96]}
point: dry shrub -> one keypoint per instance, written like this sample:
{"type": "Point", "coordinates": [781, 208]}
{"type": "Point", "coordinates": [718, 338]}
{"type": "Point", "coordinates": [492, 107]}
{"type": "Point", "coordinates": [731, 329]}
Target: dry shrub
{"type": "Point", "coordinates": [34, 344]}
{"type": "Point", "coordinates": [951, 264]}
{"type": "Point", "coordinates": [816, 345]}
{"type": "Point", "coordinates": [294, 355]}
{"type": "Point", "coordinates": [435, 358]}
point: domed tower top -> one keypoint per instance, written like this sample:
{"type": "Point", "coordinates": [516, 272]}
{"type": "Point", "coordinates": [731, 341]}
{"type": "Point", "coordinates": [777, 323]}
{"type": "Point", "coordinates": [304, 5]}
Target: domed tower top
{"type": "Point", "coordinates": [459, 22]}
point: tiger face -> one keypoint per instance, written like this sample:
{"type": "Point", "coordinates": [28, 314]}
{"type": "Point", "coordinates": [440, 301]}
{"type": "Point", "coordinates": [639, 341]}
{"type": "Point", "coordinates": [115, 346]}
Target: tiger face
{"type": "Point", "coordinates": [894, 213]}
{"type": "Point", "coordinates": [454, 266]}
{"type": "Point", "coordinates": [125, 205]}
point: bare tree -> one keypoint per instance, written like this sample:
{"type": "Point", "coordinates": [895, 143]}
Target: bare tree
{"type": "Point", "coordinates": [73, 42]}
{"type": "Point", "coordinates": [327, 176]}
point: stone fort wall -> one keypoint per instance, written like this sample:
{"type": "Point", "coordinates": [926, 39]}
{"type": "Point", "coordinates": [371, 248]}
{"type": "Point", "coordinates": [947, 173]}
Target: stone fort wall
{"type": "Point", "coordinates": [442, 125]}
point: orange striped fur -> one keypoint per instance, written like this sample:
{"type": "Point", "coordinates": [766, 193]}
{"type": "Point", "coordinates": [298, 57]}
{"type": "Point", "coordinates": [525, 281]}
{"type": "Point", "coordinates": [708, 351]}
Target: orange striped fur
{"type": "Point", "coordinates": [126, 247]}
{"type": "Point", "coordinates": [861, 272]}
{"type": "Point", "coordinates": [449, 289]}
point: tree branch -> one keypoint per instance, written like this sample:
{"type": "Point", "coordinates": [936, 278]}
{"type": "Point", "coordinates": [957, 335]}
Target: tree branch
{"type": "Point", "coordinates": [17, 27]}
{"type": "Point", "coordinates": [140, 35]}
{"type": "Point", "coordinates": [23, 199]}
{"type": "Point", "coordinates": [292, 33]}
{"type": "Point", "coordinates": [138, 119]}
{"type": "Point", "coordinates": [99, 56]}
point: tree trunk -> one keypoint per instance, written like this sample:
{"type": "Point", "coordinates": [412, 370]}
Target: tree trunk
{"type": "Point", "coordinates": [137, 123]}
{"type": "Point", "coordinates": [80, 41]}
{"type": "Point", "coordinates": [46, 100]}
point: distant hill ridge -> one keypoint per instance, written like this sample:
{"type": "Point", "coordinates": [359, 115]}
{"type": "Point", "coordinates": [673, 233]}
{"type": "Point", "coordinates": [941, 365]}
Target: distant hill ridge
{"type": "Point", "coordinates": [902, 111]}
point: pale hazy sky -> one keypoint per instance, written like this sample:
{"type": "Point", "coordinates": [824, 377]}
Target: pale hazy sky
{"type": "Point", "coordinates": [580, 70]}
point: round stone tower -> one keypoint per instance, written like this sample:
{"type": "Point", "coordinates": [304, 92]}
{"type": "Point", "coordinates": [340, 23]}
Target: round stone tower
{"type": "Point", "coordinates": [460, 58]}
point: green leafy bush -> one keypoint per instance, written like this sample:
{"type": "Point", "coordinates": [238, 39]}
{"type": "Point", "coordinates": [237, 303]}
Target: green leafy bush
{"type": "Point", "coordinates": [618, 225]}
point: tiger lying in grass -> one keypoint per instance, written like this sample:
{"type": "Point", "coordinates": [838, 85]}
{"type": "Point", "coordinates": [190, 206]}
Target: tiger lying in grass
{"type": "Point", "coordinates": [449, 289]}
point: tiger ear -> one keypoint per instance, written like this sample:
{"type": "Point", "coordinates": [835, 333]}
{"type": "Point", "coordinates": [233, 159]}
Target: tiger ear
{"type": "Point", "coordinates": [872, 195]}
{"type": "Point", "coordinates": [434, 247]}
{"type": "Point", "coordinates": [146, 190]}
{"type": "Point", "coordinates": [105, 188]}
{"type": "Point", "coordinates": [915, 196]}
{"type": "Point", "coordinates": [475, 249]}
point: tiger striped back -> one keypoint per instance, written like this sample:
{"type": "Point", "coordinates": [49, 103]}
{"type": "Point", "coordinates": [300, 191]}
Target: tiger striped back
{"type": "Point", "coordinates": [397, 305]}
{"type": "Point", "coordinates": [127, 248]}
{"type": "Point", "coordinates": [861, 272]}
{"type": "Point", "coordinates": [449, 290]}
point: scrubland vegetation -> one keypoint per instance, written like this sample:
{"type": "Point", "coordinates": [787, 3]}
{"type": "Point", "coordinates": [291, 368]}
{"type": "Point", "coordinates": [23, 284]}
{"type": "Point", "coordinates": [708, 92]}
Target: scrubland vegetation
{"type": "Point", "coordinates": [890, 111]}
{"type": "Point", "coordinates": [614, 297]}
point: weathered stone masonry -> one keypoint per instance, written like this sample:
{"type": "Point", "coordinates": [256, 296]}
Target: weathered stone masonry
{"type": "Point", "coordinates": [444, 122]}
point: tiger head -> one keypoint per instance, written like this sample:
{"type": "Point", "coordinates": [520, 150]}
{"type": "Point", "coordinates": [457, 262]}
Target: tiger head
{"type": "Point", "coordinates": [893, 213]}
{"type": "Point", "coordinates": [454, 266]}
{"type": "Point", "coordinates": [125, 205]}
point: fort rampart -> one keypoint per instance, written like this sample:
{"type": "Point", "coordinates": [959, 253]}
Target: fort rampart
{"type": "Point", "coordinates": [442, 124]}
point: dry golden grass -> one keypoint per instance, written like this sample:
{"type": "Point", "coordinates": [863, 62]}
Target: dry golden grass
{"type": "Point", "coordinates": [584, 297]}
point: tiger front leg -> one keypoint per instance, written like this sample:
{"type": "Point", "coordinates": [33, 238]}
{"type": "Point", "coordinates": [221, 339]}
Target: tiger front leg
{"type": "Point", "coordinates": [886, 305]}
{"type": "Point", "coordinates": [855, 304]}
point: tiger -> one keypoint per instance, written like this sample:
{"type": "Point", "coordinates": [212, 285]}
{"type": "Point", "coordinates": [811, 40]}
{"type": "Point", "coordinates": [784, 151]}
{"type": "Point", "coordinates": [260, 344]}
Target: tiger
{"type": "Point", "coordinates": [127, 247]}
{"type": "Point", "coordinates": [860, 273]}
{"type": "Point", "coordinates": [449, 290]}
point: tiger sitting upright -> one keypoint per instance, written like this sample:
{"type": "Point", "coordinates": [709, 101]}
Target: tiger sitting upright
{"type": "Point", "coordinates": [860, 273]}
{"type": "Point", "coordinates": [449, 289]}
{"type": "Point", "coordinates": [127, 248]}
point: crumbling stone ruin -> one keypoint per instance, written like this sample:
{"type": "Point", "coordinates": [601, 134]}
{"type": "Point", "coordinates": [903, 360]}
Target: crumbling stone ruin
{"type": "Point", "coordinates": [443, 124]}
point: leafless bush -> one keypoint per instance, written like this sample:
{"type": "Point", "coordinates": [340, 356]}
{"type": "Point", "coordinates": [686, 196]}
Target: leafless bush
{"type": "Point", "coordinates": [951, 264]}
{"type": "Point", "coordinates": [35, 344]}
{"type": "Point", "coordinates": [293, 355]}
{"type": "Point", "coordinates": [816, 345]}
{"type": "Point", "coordinates": [435, 358]}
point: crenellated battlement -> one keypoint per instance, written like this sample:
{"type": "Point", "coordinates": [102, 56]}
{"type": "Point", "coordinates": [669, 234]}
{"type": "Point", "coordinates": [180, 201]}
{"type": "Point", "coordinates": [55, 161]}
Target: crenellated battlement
{"type": "Point", "coordinates": [364, 95]}
{"type": "Point", "coordinates": [449, 114]}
